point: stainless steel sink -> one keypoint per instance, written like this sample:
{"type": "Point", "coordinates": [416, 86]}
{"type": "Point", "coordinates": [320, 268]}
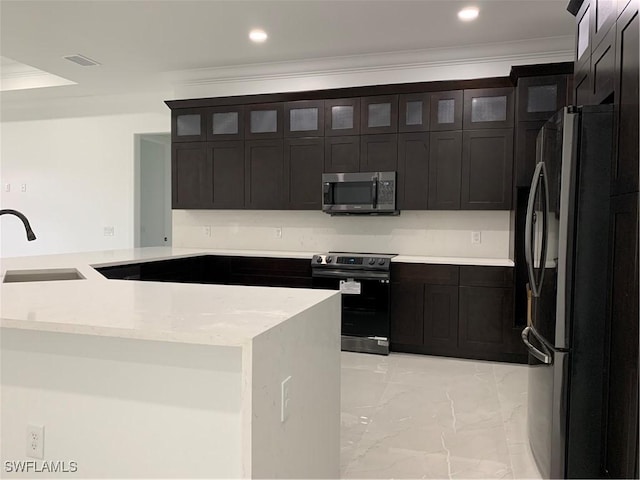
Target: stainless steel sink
{"type": "Point", "coordinates": [42, 275]}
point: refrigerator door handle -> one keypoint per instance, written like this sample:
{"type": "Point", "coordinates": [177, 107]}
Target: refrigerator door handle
{"type": "Point", "coordinates": [544, 357]}
{"type": "Point", "coordinates": [539, 176]}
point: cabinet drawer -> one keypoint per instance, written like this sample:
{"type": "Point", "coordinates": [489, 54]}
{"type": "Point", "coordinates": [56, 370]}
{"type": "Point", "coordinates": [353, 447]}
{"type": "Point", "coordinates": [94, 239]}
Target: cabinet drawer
{"type": "Point", "coordinates": [431, 274]}
{"type": "Point", "coordinates": [477, 276]}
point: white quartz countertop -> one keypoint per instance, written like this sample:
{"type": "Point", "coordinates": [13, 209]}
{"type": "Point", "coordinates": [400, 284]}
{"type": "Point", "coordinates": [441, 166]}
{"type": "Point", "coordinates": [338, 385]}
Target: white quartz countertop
{"type": "Point", "coordinates": [223, 315]}
{"type": "Point", "coordinates": [486, 262]}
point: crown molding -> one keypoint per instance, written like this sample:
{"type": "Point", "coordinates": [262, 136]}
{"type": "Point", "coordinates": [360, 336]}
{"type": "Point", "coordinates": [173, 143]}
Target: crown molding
{"type": "Point", "coordinates": [551, 49]}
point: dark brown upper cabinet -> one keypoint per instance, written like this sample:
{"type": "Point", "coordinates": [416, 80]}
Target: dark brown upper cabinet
{"type": "Point", "coordinates": [342, 154]}
{"type": "Point", "coordinates": [488, 108]}
{"type": "Point", "coordinates": [263, 121]}
{"type": "Point", "coordinates": [603, 17]}
{"type": "Point", "coordinates": [583, 35]}
{"type": "Point", "coordinates": [379, 153]}
{"type": "Point", "coordinates": [304, 118]}
{"type": "Point", "coordinates": [413, 171]}
{"type": "Point", "coordinates": [540, 97]}
{"type": "Point", "coordinates": [487, 165]}
{"type": "Point", "coordinates": [191, 185]}
{"type": "Point", "coordinates": [188, 125]}
{"type": "Point", "coordinates": [303, 165]}
{"type": "Point", "coordinates": [525, 164]}
{"type": "Point", "coordinates": [226, 160]}
{"type": "Point", "coordinates": [625, 160]}
{"type": "Point", "coordinates": [583, 90]}
{"type": "Point", "coordinates": [379, 114]}
{"type": "Point", "coordinates": [445, 170]}
{"type": "Point", "coordinates": [342, 117]}
{"type": "Point", "coordinates": [446, 110]}
{"type": "Point", "coordinates": [264, 174]}
{"type": "Point", "coordinates": [603, 62]}
{"type": "Point", "coordinates": [225, 123]}
{"type": "Point", "coordinates": [413, 112]}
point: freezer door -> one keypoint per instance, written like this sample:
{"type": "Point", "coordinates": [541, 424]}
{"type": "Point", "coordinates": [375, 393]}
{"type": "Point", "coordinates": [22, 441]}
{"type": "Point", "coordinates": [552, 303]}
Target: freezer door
{"type": "Point", "coordinates": [547, 409]}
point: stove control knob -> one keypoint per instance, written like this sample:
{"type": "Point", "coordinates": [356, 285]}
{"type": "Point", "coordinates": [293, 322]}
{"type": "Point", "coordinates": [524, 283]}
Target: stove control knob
{"type": "Point", "coordinates": [372, 261]}
{"type": "Point", "coordinates": [381, 261]}
{"type": "Point", "coordinates": [318, 259]}
{"type": "Point", "coordinates": [329, 259]}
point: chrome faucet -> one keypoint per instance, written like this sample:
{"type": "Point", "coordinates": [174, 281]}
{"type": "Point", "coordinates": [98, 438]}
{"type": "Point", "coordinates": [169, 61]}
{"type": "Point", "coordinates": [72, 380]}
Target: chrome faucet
{"type": "Point", "coordinates": [30, 235]}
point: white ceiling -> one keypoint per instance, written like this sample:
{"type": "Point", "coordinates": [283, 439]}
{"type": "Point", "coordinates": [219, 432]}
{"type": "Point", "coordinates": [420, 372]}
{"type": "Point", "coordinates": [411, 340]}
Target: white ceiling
{"type": "Point", "coordinates": [142, 44]}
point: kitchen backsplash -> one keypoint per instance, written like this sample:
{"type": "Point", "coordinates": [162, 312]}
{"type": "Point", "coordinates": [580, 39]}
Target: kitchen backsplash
{"type": "Point", "coordinates": [426, 233]}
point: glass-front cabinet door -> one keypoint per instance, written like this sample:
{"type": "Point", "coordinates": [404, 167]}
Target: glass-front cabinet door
{"type": "Point", "coordinates": [188, 125]}
{"type": "Point", "coordinates": [342, 117]}
{"type": "Point", "coordinates": [446, 110]}
{"type": "Point", "coordinates": [304, 118]}
{"type": "Point", "coordinates": [225, 123]}
{"type": "Point", "coordinates": [488, 108]}
{"type": "Point", "coordinates": [263, 121]}
{"type": "Point", "coordinates": [413, 112]}
{"type": "Point", "coordinates": [379, 114]}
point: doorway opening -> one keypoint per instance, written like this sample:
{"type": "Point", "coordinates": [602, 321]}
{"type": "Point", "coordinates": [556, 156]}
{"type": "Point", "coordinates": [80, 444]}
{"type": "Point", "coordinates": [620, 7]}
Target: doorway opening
{"type": "Point", "coordinates": [152, 189]}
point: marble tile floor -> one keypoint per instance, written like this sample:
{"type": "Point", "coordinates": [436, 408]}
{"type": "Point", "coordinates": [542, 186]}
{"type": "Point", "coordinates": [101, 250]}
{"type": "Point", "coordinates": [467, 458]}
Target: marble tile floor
{"type": "Point", "coordinates": [419, 416]}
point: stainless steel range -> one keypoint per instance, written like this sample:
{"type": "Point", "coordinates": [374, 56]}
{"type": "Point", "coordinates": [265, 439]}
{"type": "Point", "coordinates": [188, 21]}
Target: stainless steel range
{"type": "Point", "coordinates": [363, 279]}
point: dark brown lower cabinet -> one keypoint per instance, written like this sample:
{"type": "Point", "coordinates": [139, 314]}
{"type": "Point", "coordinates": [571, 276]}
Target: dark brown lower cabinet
{"type": "Point", "coordinates": [303, 163]}
{"type": "Point", "coordinates": [440, 315]}
{"type": "Point", "coordinates": [264, 174]}
{"type": "Point", "coordinates": [191, 185]}
{"type": "Point", "coordinates": [484, 314]}
{"type": "Point", "coordinates": [407, 325]}
{"type": "Point", "coordinates": [621, 392]}
{"type": "Point", "coordinates": [464, 312]}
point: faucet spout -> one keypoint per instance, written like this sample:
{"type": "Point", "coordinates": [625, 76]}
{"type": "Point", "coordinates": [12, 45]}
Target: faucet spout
{"type": "Point", "coordinates": [30, 235]}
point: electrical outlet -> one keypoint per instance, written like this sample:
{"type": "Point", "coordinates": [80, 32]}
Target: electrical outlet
{"type": "Point", "coordinates": [35, 441]}
{"type": "Point", "coordinates": [476, 237]}
{"type": "Point", "coordinates": [278, 232]}
{"type": "Point", "coordinates": [206, 230]}
{"type": "Point", "coordinates": [7, 187]}
{"type": "Point", "coordinates": [109, 231]}
{"type": "Point", "coordinates": [23, 187]}
{"type": "Point", "coordinates": [285, 396]}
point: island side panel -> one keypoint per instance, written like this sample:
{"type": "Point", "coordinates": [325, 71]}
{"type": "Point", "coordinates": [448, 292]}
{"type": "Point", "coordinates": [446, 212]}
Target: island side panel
{"type": "Point", "coordinates": [306, 348]}
{"type": "Point", "coordinates": [122, 408]}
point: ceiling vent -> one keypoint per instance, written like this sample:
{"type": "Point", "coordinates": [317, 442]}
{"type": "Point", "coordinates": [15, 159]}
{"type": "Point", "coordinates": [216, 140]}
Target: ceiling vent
{"type": "Point", "coordinates": [81, 60]}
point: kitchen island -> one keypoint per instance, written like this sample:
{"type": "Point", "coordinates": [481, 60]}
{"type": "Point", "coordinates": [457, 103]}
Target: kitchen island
{"type": "Point", "coordinates": [168, 380]}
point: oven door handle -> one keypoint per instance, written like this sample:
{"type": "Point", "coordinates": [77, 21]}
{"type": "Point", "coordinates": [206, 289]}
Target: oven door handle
{"type": "Point", "coordinates": [344, 274]}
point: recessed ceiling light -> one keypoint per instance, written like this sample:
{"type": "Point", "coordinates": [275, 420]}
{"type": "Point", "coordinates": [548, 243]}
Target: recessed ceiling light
{"type": "Point", "coordinates": [258, 35]}
{"type": "Point", "coordinates": [468, 14]}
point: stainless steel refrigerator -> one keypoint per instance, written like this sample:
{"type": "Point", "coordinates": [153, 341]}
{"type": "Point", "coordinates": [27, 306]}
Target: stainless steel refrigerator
{"type": "Point", "coordinates": [566, 250]}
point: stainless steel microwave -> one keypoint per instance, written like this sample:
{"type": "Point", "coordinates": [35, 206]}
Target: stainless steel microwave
{"type": "Point", "coordinates": [359, 193]}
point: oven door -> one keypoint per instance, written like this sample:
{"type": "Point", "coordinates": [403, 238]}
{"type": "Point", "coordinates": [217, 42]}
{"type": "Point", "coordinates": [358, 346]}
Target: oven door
{"type": "Point", "coordinates": [365, 308]}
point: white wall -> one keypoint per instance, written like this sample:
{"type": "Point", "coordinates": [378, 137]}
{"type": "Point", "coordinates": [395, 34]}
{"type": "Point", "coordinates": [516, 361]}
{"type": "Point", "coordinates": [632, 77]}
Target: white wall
{"type": "Point", "coordinates": [79, 174]}
{"type": "Point", "coordinates": [428, 233]}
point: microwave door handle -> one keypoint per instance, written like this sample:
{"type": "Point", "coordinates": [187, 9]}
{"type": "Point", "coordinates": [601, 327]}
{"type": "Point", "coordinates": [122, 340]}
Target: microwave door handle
{"type": "Point", "coordinates": [374, 192]}
{"type": "Point", "coordinates": [327, 193]}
